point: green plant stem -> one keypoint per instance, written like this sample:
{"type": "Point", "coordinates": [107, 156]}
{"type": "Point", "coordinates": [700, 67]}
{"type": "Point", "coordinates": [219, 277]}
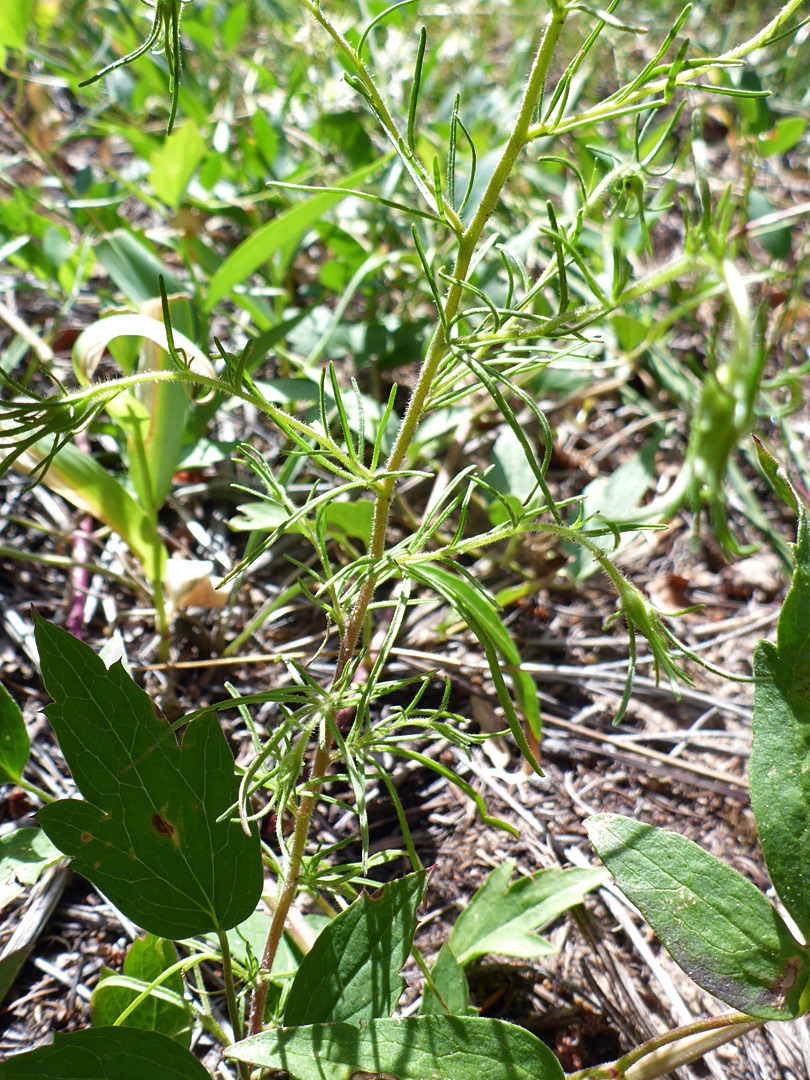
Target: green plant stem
{"type": "Point", "coordinates": [80, 402]}
{"type": "Point", "coordinates": [34, 789]}
{"type": "Point", "coordinates": [437, 350]}
{"type": "Point", "coordinates": [438, 347]}
{"type": "Point", "coordinates": [230, 996]}
{"type": "Point", "coordinates": [63, 561]}
{"type": "Point", "coordinates": [519, 137]}
{"type": "Point", "coordinates": [213, 1028]}
{"type": "Point", "coordinates": [658, 1057]}
{"type": "Point", "coordinates": [417, 171]}
{"type": "Point", "coordinates": [290, 884]}
{"type": "Point", "coordinates": [618, 105]}
{"type": "Point", "coordinates": [429, 980]}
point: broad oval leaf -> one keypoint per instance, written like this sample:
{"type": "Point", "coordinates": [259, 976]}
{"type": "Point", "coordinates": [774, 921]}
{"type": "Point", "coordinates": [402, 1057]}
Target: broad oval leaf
{"type": "Point", "coordinates": [715, 923]}
{"type": "Point", "coordinates": [436, 1047]}
{"type": "Point", "coordinates": [106, 1053]}
{"type": "Point", "coordinates": [149, 835]}
{"type": "Point", "coordinates": [778, 774]}
{"type": "Point", "coordinates": [501, 918]}
{"type": "Point", "coordinates": [14, 741]}
{"type": "Point", "coordinates": [352, 970]}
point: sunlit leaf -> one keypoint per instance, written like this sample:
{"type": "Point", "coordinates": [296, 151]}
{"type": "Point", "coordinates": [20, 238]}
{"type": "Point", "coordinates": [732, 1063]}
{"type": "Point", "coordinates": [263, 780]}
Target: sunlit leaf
{"type": "Point", "coordinates": [778, 774]}
{"type": "Point", "coordinates": [24, 854]}
{"type": "Point", "coordinates": [352, 970]}
{"type": "Point", "coordinates": [150, 834]}
{"type": "Point", "coordinates": [14, 741]}
{"type": "Point", "coordinates": [282, 231]}
{"type": "Point", "coordinates": [438, 1047]}
{"type": "Point", "coordinates": [501, 918]}
{"type": "Point", "coordinates": [106, 1053]}
{"type": "Point", "coordinates": [716, 924]}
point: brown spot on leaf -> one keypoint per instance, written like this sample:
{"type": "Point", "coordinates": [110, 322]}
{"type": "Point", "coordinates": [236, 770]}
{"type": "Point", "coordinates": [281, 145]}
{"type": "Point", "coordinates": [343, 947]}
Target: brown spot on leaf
{"type": "Point", "coordinates": [164, 827]}
{"type": "Point", "coordinates": [786, 981]}
{"type": "Point", "coordinates": [86, 837]}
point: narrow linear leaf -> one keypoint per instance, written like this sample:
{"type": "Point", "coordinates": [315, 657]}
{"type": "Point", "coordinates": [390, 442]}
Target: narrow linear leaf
{"type": "Point", "coordinates": [438, 1047]}
{"type": "Point", "coordinates": [149, 835]}
{"type": "Point", "coordinates": [133, 266]}
{"type": "Point", "coordinates": [79, 478]}
{"type": "Point", "coordinates": [155, 440]}
{"type": "Point", "coordinates": [352, 970]}
{"type": "Point", "coordinates": [776, 475]}
{"type": "Point", "coordinates": [476, 607]}
{"type": "Point", "coordinates": [715, 923]}
{"type": "Point", "coordinates": [106, 1053]}
{"type": "Point", "coordinates": [779, 774]}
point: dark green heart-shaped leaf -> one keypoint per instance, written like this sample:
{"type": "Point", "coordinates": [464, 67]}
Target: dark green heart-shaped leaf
{"type": "Point", "coordinates": [352, 970]}
{"type": "Point", "coordinates": [715, 923]}
{"type": "Point", "coordinates": [106, 1053]}
{"type": "Point", "coordinates": [149, 835]}
{"type": "Point", "coordinates": [438, 1047]}
{"type": "Point", "coordinates": [779, 774]}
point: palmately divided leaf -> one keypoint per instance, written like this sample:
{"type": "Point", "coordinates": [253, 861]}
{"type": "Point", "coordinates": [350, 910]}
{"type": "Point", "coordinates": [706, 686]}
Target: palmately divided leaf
{"type": "Point", "coordinates": [149, 835]}
{"type": "Point", "coordinates": [715, 923]}
{"type": "Point", "coordinates": [416, 1048]}
{"type": "Point", "coordinates": [779, 773]}
{"type": "Point", "coordinates": [352, 970]}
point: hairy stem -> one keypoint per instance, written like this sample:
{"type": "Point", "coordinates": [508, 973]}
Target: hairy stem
{"type": "Point", "coordinates": [641, 98]}
{"type": "Point", "coordinates": [436, 352]}
{"type": "Point", "coordinates": [290, 884]}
